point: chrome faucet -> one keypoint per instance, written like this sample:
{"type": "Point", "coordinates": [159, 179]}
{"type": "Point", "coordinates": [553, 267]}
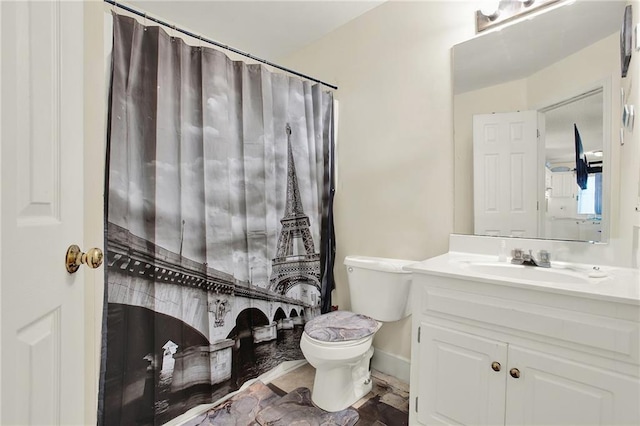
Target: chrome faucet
{"type": "Point", "coordinates": [519, 257]}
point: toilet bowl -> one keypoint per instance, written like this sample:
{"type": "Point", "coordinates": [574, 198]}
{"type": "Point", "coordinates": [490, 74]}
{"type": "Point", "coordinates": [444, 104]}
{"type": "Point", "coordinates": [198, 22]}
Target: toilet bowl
{"type": "Point", "coordinates": [339, 344]}
{"type": "Point", "coordinates": [342, 370]}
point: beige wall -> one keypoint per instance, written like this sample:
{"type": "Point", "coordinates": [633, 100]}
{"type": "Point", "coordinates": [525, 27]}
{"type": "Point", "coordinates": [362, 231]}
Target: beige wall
{"type": "Point", "coordinates": [394, 193]}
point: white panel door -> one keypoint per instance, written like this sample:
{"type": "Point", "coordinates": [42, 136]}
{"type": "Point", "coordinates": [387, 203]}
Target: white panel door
{"type": "Point", "coordinates": [505, 171]}
{"type": "Point", "coordinates": [41, 128]}
{"type": "Point", "coordinates": [557, 391]}
{"type": "Point", "coordinates": [457, 384]}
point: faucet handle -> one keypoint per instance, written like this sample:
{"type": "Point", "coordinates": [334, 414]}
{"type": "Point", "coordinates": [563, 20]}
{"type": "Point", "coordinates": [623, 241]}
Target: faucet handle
{"type": "Point", "coordinates": [517, 254]}
{"type": "Point", "coordinates": [544, 256]}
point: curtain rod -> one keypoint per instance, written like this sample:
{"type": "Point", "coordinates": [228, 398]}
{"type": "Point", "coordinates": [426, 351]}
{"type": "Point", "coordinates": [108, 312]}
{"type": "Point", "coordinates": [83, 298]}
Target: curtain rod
{"type": "Point", "coordinates": [215, 43]}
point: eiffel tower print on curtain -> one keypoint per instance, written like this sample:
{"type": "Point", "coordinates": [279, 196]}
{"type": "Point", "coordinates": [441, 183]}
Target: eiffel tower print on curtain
{"type": "Point", "coordinates": [291, 266]}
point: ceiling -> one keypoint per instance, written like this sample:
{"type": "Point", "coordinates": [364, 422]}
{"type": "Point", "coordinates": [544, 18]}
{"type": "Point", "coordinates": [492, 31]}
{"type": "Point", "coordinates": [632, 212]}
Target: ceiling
{"type": "Point", "coordinates": [267, 29]}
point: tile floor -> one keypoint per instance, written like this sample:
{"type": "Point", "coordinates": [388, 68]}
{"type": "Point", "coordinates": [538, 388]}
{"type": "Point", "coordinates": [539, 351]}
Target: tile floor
{"type": "Point", "coordinates": [386, 405]}
{"type": "Point", "coordinates": [282, 398]}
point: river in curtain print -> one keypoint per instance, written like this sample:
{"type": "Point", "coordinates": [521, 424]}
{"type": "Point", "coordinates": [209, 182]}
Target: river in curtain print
{"type": "Point", "coordinates": [218, 210]}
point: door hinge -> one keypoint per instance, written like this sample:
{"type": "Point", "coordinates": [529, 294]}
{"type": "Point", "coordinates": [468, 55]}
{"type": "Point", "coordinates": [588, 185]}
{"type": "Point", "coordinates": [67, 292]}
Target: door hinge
{"type": "Point", "coordinates": [538, 132]}
{"type": "Point", "coordinates": [416, 404]}
{"type": "Point", "coordinates": [538, 205]}
{"type": "Point", "coordinates": [419, 329]}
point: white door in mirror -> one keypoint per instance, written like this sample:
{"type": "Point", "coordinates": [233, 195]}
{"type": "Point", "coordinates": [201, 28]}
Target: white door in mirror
{"type": "Point", "coordinates": [506, 165]}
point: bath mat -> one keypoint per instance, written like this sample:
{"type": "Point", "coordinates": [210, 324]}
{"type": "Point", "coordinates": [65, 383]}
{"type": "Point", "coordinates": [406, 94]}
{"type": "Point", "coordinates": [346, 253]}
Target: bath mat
{"type": "Point", "coordinates": [296, 408]}
{"type": "Point", "coordinates": [258, 405]}
{"type": "Point", "coordinates": [240, 410]}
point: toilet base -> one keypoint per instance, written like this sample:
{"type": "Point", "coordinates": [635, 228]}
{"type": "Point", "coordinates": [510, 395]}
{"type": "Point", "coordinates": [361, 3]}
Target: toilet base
{"type": "Point", "coordinates": [337, 388]}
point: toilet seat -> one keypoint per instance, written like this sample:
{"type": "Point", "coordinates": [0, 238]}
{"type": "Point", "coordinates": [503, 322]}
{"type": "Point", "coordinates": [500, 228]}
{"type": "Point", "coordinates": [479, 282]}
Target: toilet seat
{"type": "Point", "coordinates": [338, 328]}
{"type": "Point", "coordinates": [342, 344]}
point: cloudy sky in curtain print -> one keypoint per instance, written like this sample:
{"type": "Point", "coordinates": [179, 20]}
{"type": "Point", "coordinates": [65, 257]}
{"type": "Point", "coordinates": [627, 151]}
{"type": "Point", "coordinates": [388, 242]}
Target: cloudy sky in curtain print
{"type": "Point", "coordinates": [218, 172]}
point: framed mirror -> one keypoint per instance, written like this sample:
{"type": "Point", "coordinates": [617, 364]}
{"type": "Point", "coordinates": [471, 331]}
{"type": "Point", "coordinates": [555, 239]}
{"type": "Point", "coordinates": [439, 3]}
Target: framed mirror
{"type": "Point", "coordinates": [533, 127]}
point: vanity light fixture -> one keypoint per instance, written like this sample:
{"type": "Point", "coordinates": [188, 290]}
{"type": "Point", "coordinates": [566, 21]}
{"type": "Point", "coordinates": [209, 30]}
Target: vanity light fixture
{"type": "Point", "coordinates": [504, 11]}
{"type": "Point", "coordinates": [490, 9]}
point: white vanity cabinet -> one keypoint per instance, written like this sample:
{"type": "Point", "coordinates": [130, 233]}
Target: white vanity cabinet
{"type": "Point", "coordinates": [563, 185]}
{"type": "Point", "coordinates": [456, 381]}
{"type": "Point", "coordinates": [489, 353]}
{"type": "Point", "coordinates": [562, 391]}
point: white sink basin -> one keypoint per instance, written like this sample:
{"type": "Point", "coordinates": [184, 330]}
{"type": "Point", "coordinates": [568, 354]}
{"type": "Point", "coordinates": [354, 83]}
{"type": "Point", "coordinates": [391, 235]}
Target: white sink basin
{"type": "Point", "coordinates": [525, 272]}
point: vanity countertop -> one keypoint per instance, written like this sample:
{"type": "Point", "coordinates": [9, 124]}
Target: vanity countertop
{"type": "Point", "coordinates": [620, 285]}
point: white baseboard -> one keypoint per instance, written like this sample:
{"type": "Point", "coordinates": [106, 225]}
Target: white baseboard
{"type": "Point", "coordinates": [393, 365]}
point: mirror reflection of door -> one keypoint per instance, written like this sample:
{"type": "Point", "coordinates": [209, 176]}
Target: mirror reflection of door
{"type": "Point", "coordinates": [507, 165]}
{"type": "Point", "coordinates": [524, 167]}
{"type": "Point", "coordinates": [571, 212]}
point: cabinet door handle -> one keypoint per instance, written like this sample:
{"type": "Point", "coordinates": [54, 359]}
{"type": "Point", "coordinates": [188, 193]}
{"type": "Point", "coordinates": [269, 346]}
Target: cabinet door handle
{"type": "Point", "coordinates": [495, 365]}
{"type": "Point", "coordinates": [515, 373]}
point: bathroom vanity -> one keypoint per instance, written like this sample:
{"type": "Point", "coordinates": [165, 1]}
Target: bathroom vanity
{"type": "Point", "coordinates": [496, 343]}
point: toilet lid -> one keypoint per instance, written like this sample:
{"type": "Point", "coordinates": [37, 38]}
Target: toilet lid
{"type": "Point", "coordinates": [341, 326]}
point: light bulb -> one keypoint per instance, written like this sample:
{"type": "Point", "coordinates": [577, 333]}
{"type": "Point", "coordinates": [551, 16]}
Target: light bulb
{"type": "Point", "coordinates": [490, 8]}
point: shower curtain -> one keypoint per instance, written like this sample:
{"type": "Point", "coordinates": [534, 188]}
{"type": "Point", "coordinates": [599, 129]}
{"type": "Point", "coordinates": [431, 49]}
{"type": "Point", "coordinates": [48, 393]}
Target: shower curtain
{"type": "Point", "coordinates": [219, 226]}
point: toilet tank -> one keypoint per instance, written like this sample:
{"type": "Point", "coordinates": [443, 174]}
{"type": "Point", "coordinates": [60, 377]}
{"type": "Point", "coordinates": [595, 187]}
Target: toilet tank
{"type": "Point", "coordinates": [379, 287]}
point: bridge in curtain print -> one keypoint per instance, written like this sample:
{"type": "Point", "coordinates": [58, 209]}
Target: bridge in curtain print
{"type": "Point", "coordinates": [223, 309]}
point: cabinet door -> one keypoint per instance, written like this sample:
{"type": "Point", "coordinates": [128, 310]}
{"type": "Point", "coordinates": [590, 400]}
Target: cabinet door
{"type": "Point", "coordinates": [570, 185]}
{"type": "Point", "coordinates": [558, 391]}
{"type": "Point", "coordinates": [563, 185]}
{"type": "Point", "coordinates": [457, 384]}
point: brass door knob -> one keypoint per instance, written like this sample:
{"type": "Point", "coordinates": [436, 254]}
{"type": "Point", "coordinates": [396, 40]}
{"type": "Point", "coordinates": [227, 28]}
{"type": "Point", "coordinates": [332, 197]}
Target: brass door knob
{"type": "Point", "coordinates": [75, 257]}
{"type": "Point", "coordinates": [515, 373]}
{"type": "Point", "coordinates": [495, 366]}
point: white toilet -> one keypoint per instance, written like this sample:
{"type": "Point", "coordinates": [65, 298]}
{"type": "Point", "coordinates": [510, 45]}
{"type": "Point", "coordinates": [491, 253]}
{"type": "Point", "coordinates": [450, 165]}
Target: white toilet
{"type": "Point", "coordinates": [338, 344]}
